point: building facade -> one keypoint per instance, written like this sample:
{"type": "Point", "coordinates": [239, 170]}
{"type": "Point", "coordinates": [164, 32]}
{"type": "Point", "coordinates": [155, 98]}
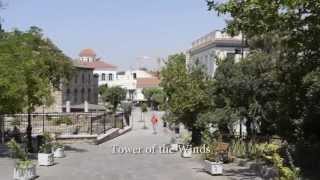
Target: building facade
{"type": "Point", "coordinates": [106, 72]}
{"type": "Point", "coordinates": [131, 80]}
{"type": "Point", "coordinates": [207, 50]}
{"type": "Point", "coordinates": [80, 90]}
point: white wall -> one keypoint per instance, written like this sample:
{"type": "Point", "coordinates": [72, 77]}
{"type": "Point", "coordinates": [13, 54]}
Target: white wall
{"type": "Point", "coordinates": [125, 80]}
{"type": "Point", "coordinates": [106, 79]}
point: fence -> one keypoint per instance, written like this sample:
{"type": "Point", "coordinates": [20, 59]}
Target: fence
{"type": "Point", "coordinates": [12, 125]}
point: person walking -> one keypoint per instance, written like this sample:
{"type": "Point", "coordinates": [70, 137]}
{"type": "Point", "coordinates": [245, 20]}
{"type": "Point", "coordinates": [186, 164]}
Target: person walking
{"type": "Point", "coordinates": [154, 121]}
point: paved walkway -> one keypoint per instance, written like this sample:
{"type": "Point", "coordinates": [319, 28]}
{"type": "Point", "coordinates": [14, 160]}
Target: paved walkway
{"type": "Point", "coordinates": [86, 162]}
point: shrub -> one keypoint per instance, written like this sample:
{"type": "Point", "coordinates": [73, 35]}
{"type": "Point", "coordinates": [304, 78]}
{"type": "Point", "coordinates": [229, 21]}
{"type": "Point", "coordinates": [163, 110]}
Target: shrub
{"type": "Point", "coordinates": [47, 146]}
{"type": "Point", "coordinates": [186, 138]}
{"type": "Point", "coordinates": [64, 120]}
{"type": "Point", "coordinates": [144, 107]}
{"type": "Point", "coordinates": [213, 154]}
{"type": "Point", "coordinates": [270, 154]}
{"type": "Point", "coordinates": [17, 152]}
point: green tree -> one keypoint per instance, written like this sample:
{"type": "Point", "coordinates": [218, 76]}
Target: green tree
{"type": "Point", "coordinates": [112, 95]}
{"type": "Point", "coordinates": [155, 96]}
{"type": "Point", "coordinates": [39, 64]}
{"type": "Point", "coordinates": [286, 33]}
{"type": "Point", "coordinates": [127, 109]}
{"type": "Point", "coordinates": [186, 93]}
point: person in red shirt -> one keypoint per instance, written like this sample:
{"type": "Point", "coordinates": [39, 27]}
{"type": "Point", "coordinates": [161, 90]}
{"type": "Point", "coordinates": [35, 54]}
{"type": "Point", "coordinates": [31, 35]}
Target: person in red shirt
{"type": "Point", "coordinates": [154, 121]}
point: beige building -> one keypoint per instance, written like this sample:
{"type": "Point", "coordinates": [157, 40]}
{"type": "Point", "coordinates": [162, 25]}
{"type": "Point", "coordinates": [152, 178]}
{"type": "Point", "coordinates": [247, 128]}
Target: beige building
{"type": "Point", "coordinates": [78, 94]}
{"type": "Point", "coordinates": [211, 47]}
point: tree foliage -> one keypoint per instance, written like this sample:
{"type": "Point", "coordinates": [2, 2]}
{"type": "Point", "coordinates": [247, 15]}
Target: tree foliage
{"type": "Point", "coordinates": [113, 95]}
{"type": "Point", "coordinates": [155, 96]}
{"type": "Point", "coordinates": [31, 68]}
{"type": "Point", "coordinates": [186, 93]}
{"type": "Point", "coordinates": [285, 36]}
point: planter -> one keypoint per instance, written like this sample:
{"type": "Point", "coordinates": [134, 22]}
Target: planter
{"type": "Point", "coordinates": [45, 159]}
{"type": "Point", "coordinates": [174, 147]}
{"type": "Point", "coordinates": [25, 173]}
{"type": "Point", "coordinates": [214, 168]}
{"type": "Point", "coordinates": [59, 153]}
{"type": "Point", "coordinates": [187, 153]}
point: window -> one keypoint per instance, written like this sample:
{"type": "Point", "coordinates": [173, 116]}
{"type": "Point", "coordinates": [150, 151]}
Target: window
{"type": "Point", "coordinates": [83, 77]}
{"type": "Point", "coordinates": [110, 77]}
{"type": "Point", "coordinates": [89, 95]}
{"type": "Point", "coordinates": [76, 79]}
{"type": "Point", "coordinates": [75, 96]}
{"type": "Point", "coordinates": [82, 95]}
{"type": "Point", "coordinates": [230, 55]}
{"type": "Point", "coordinates": [103, 77]}
{"type": "Point", "coordinates": [134, 75]}
{"type": "Point", "coordinates": [68, 95]}
{"type": "Point", "coordinates": [197, 61]}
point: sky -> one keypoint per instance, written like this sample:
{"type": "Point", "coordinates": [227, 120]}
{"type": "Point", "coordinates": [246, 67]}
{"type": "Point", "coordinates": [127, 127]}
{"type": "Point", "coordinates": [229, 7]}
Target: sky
{"type": "Point", "coordinates": [126, 33]}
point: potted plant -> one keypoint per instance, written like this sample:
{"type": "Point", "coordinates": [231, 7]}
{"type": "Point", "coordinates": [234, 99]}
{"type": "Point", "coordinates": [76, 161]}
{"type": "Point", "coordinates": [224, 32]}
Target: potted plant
{"type": "Point", "coordinates": [58, 150]}
{"type": "Point", "coordinates": [186, 150]}
{"type": "Point", "coordinates": [45, 155]}
{"type": "Point", "coordinates": [213, 165]}
{"type": "Point", "coordinates": [24, 168]}
{"type": "Point", "coordinates": [174, 146]}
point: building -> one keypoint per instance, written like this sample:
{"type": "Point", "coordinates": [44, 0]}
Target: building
{"type": "Point", "coordinates": [106, 72]}
{"type": "Point", "coordinates": [134, 81]}
{"type": "Point", "coordinates": [131, 80]}
{"type": "Point", "coordinates": [143, 83]}
{"type": "Point", "coordinates": [80, 93]}
{"type": "Point", "coordinates": [216, 45]}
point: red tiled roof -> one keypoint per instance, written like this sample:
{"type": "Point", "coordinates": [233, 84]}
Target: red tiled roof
{"type": "Point", "coordinates": [87, 53]}
{"type": "Point", "coordinates": [99, 65]}
{"type": "Point", "coordinates": [148, 82]}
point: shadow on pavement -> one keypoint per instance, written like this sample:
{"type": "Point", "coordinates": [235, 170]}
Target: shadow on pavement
{"type": "Point", "coordinates": [240, 173]}
{"type": "Point", "coordinates": [70, 148]}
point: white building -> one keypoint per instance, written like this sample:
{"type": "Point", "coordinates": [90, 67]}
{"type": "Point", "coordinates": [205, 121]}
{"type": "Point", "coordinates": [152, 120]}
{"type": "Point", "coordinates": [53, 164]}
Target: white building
{"type": "Point", "coordinates": [105, 71]}
{"type": "Point", "coordinates": [132, 80]}
{"type": "Point", "coordinates": [216, 45]}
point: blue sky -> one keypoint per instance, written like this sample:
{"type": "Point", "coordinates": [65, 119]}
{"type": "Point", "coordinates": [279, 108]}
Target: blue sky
{"type": "Point", "coordinates": [120, 31]}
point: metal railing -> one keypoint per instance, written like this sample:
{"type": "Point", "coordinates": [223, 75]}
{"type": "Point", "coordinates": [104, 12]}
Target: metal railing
{"type": "Point", "coordinates": [13, 125]}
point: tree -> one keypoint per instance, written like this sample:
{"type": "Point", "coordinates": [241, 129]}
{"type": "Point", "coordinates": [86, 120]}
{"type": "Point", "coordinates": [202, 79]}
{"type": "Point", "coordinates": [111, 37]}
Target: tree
{"type": "Point", "coordinates": [155, 96]}
{"type": "Point", "coordinates": [39, 64]}
{"type": "Point", "coordinates": [127, 109]}
{"type": "Point", "coordinates": [295, 27]}
{"type": "Point", "coordinates": [113, 95]}
{"type": "Point", "coordinates": [186, 93]}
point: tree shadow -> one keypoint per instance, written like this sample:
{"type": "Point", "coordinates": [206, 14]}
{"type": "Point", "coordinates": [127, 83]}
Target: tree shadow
{"type": "Point", "coordinates": [74, 149]}
{"type": "Point", "coordinates": [240, 174]}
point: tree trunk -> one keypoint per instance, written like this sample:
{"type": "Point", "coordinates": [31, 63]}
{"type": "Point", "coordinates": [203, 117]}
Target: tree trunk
{"type": "Point", "coordinates": [29, 133]}
{"type": "Point", "coordinates": [196, 136]}
{"type": "Point", "coordinates": [248, 127]}
{"type": "Point", "coordinates": [127, 118]}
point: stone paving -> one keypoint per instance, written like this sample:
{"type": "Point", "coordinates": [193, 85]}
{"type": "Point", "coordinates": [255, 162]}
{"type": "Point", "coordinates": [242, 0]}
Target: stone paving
{"type": "Point", "coordinates": [86, 162]}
